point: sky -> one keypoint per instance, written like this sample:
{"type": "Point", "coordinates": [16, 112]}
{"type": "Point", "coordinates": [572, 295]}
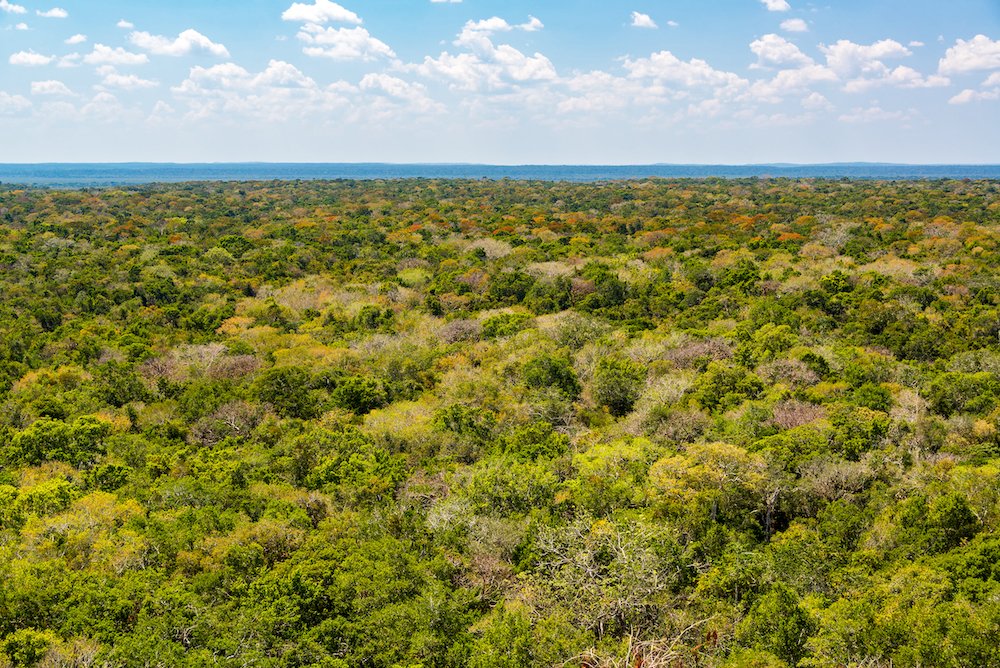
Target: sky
{"type": "Point", "coordinates": [500, 81]}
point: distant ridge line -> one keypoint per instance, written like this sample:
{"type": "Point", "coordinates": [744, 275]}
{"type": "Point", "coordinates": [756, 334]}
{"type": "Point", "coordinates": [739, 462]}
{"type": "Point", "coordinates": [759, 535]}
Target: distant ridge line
{"type": "Point", "coordinates": [70, 175]}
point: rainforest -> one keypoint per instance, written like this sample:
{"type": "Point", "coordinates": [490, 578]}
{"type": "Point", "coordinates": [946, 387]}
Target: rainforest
{"type": "Point", "coordinates": [425, 423]}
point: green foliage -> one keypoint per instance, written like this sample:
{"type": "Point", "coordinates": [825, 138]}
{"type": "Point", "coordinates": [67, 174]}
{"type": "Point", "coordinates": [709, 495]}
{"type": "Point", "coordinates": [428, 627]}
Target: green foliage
{"type": "Point", "coordinates": [722, 387]}
{"type": "Point", "coordinates": [287, 389]}
{"type": "Point", "coordinates": [857, 430]}
{"type": "Point", "coordinates": [27, 647]}
{"type": "Point", "coordinates": [444, 423]}
{"type": "Point", "coordinates": [505, 324]}
{"type": "Point", "coordinates": [77, 443]}
{"type": "Point", "coordinates": [506, 642]}
{"type": "Point", "coordinates": [551, 371]}
{"type": "Point", "coordinates": [618, 383]}
{"type": "Point", "coordinates": [534, 441]}
{"type": "Point", "coordinates": [777, 623]}
{"type": "Point", "coordinates": [358, 394]}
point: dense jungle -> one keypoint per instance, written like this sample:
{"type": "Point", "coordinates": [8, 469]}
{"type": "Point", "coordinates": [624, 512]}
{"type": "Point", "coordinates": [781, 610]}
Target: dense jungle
{"type": "Point", "coordinates": [500, 424]}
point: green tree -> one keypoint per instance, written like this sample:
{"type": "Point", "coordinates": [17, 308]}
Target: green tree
{"type": "Point", "coordinates": [618, 384]}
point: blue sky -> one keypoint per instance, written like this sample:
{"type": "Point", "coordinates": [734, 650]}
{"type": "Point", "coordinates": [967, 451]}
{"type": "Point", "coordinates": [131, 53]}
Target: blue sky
{"type": "Point", "coordinates": [517, 81]}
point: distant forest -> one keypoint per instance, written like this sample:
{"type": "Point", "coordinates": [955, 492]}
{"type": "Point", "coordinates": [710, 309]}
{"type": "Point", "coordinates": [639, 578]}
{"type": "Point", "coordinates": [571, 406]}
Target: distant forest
{"type": "Point", "coordinates": [501, 424]}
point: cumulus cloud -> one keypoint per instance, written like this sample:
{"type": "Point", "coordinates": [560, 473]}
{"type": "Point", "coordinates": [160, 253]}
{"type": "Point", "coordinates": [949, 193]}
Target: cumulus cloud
{"type": "Point", "coordinates": [50, 87]}
{"type": "Point", "coordinates": [13, 104]}
{"type": "Point", "coordinates": [500, 67]}
{"type": "Point", "coordinates": [977, 54]}
{"type": "Point", "coordinates": [343, 43]}
{"type": "Point", "coordinates": [968, 95]}
{"type": "Point", "coordinates": [665, 67]}
{"type": "Point", "coordinates": [29, 59]}
{"type": "Point", "coordinates": [414, 95]}
{"type": "Point", "coordinates": [112, 78]}
{"type": "Point", "coordinates": [640, 20]}
{"type": "Point", "coordinates": [990, 91]}
{"type": "Point", "coordinates": [791, 81]}
{"type": "Point", "coordinates": [11, 8]}
{"type": "Point", "coordinates": [321, 11]}
{"type": "Point", "coordinates": [20, 26]}
{"type": "Point", "coordinates": [901, 77]}
{"type": "Point", "coordinates": [478, 34]}
{"type": "Point", "coordinates": [76, 39]}
{"type": "Point", "coordinates": [278, 93]}
{"type": "Point", "coordinates": [776, 5]}
{"type": "Point", "coordinates": [488, 66]}
{"type": "Point", "coordinates": [816, 101]}
{"type": "Point", "coordinates": [70, 60]}
{"type": "Point", "coordinates": [187, 42]}
{"type": "Point", "coordinates": [54, 13]}
{"type": "Point", "coordinates": [125, 25]}
{"type": "Point", "coordinates": [873, 114]}
{"type": "Point", "coordinates": [105, 55]}
{"type": "Point", "coordinates": [794, 25]}
{"type": "Point", "coordinates": [849, 59]}
{"type": "Point", "coordinates": [776, 51]}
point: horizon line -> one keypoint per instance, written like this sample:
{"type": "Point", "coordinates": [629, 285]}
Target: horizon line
{"type": "Point", "coordinates": [525, 164]}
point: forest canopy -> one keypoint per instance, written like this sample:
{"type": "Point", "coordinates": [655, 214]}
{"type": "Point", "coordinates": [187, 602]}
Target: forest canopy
{"type": "Point", "coordinates": [501, 424]}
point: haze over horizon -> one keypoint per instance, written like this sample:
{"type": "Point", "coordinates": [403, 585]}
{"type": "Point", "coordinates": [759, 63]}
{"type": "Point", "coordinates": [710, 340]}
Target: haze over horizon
{"type": "Point", "coordinates": [489, 82]}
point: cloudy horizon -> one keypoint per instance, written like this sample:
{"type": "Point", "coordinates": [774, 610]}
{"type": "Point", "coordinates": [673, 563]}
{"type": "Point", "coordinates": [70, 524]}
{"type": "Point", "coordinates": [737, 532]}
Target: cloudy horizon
{"type": "Point", "coordinates": [508, 83]}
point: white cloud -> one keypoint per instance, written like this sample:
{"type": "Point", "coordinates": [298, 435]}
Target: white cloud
{"type": "Point", "coordinates": [70, 60]}
{"type": "Point", "coordinates": [343, 43]}
{"type": "Point", "coordinates": [774, 50]}
{"type": "Point", "coordinates": [50, 88]}
{"type": "Point", "coordinates": [595, 92]}
{"type": "Point", "coordinates": [29, 59]}
{"type": "Point", "coordinates": [497, 67]}
{"type": "Point", "coordinates": [969, 95]}
{"type": "Point", "coordinates": [794, 25]}
{"type": "Point", "coordinates": [489, 66]}
{"type": "Point", "coordinates": [54, 13]}
{"type": "Point", "coordinates": [907, 77]}
{"type": "Point", "coordinates": [791, 81]}
{"type": "Point", "coordinates": [873, 114]}
{"type": "Point", "coordinates": [976, 54]}
{"type": "Point", "coordinates": [990, 91]}
{"type": "Point", "coordinates": [280, 93]}
{"type": "Point", "coordinates": [12, 104]}
{"type": "Point", "coordinates": [444, 1]}
{"type": "Point", "coordinates": [125, 25]}
{"type": "Point", "coordinates": [640, 20]}
{"type": "Point", "coordinates": [816, 101]}
{"type": "Point", "coordinates": [413, 94]}
{"type": "Point", "coordinates": [187, 42]}
{"type": "Point", "coordinates": [478, 34]}
{"type": "Point", "coordinates": [111, 78]}
{"type": "Point", "coordinates": [104, 107]}
{"type": "Point", "coordinates": [76, 39]}
{"type": "Point", "coordinates": [520, 67]}
{"type": "Point", "coordinates": [901, 77]}
{"type": "Point", "coordinates": [916, 44]}
{"type": "Point", "coordinates": [105, 55]}
{"type": "Point", "coordinates": [673, 24]}
{"type": "Point", "coordinates": [322, 11]}
{"type": "Point", "coordinates": [665, 67]}
{"type": "Point", "coordinates": [21, 26]}
{"type": "Point", "coordinates": [11, 8]}
{"type": "Point", "coordinates": [849, 59]}
{"type": "Point", "coordinates": [776, 5]}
